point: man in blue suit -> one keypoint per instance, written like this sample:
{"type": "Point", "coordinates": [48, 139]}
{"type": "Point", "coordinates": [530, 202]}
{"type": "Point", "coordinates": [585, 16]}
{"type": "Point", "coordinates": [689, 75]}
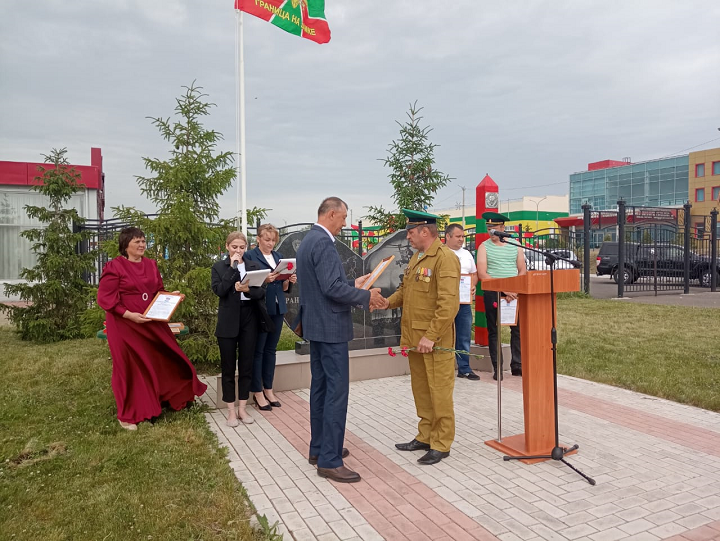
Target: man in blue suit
{"type": "Point", "coordinates": [326, 296]}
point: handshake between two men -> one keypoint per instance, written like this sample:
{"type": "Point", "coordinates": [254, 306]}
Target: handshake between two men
{"type": "Point", "coordinates": [378, 302]}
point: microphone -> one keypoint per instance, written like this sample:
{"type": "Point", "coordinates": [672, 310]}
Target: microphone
{"type": "Point", "coordinates": [501, 234]}
{"type": "Point", "coordinates": [235, 264]}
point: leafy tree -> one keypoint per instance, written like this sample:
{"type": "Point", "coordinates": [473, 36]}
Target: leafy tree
{"type": "Point", "coordinates": [412, 174]}
{"type": "Point", "coordinates": [184, 238]}
{"type": "Point", "coordinates": [56, 291]}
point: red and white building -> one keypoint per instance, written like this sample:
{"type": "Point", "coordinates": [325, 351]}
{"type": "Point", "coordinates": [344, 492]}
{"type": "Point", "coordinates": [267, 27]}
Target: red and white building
{"type": "Point", "coordinates": [16, 181]}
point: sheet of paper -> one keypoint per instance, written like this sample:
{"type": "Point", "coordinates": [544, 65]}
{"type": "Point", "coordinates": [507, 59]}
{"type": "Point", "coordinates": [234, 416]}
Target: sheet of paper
{"type": "Point", "coordinates": [163, 306]}
{"type": "Point", "coordinates": [255, 278]}
{"type": "Point", "coordinates": [508, 312]}
{"type": "Point", "coordinates": [465, 288]}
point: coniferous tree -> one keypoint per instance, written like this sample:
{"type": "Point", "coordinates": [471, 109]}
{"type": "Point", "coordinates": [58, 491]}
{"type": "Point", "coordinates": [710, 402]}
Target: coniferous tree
{"type": "Point", "coordinates": [185, 189]}
{"type": "Point", "coordinates": [56, 291]}
{"type": "Point", "coordinates": [413, 177]}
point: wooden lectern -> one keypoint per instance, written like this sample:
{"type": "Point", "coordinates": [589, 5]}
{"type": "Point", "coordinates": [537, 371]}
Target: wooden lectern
{"type": "Point", "coordinates": [535, 305]}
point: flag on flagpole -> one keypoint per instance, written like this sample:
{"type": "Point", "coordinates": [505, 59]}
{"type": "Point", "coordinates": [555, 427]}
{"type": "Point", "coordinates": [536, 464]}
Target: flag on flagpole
{"type": "Point", "coordinates": [304, 18]}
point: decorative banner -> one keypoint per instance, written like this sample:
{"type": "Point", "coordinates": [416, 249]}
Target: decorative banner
{"type": "Point", "coordinates": [304, 18]}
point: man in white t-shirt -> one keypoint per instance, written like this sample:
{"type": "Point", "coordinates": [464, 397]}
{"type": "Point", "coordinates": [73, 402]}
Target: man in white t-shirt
{"type": "Point", "coordinates": [454, 239]}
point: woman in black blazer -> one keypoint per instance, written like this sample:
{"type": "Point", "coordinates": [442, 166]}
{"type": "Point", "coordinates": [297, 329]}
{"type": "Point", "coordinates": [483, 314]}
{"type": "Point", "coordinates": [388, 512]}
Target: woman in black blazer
{"type": "Point", "coordinates": [239, 318]}
{"type": "Point", "coordinates": [266, 346]}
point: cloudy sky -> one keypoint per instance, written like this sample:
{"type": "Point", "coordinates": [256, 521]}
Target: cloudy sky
{"type": "Point", "coordinates": [527, 91]}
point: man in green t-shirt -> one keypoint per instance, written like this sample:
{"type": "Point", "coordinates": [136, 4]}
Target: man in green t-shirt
{"type": "Point", "coordinates": [497, 259]}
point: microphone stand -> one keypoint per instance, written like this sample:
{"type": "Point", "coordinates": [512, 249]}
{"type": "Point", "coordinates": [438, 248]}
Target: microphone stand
{"type": "Point", "coordinates": [557, 453]}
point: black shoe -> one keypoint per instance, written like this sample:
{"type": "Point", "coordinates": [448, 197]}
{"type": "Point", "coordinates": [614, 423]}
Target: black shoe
{"type": "Point", "coordinates": [312, 459]}
{"type": "Point", "coordinates": [516, 371]}
{"type": "Point", "coordinates": [275, 404]}
{"type": "Point", "coordinates": [266, 407]}
{"type": "Point", "coordinates": [433, 457]}
{"type": "Point", "coordinates": [470, 375]}
{"type": "Point", "coordinates": [412, 446]}
{"type": "Point", "coordinates": [495, 376]}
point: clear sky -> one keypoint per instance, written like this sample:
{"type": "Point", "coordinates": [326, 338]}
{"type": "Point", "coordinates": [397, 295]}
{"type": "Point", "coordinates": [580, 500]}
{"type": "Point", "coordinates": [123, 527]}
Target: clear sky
{"type": "Point", "coordinates": [527, 91]}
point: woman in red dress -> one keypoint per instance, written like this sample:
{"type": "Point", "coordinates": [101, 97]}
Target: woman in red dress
{"type": "Point", "coordinates": [149, 368]}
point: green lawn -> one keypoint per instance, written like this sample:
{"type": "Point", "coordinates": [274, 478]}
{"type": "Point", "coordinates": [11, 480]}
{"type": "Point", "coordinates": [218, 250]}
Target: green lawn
{"type": "Point", "coordinates": [666, 351]}
{"type": "Point", "coordinates": [69, 472]}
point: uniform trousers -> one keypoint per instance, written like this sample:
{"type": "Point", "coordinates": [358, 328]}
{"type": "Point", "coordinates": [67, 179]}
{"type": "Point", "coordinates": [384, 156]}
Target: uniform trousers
{"type": "Point", "coordinates": [238, 352]}
{"type": "Point", "coordinates": [432, 377]}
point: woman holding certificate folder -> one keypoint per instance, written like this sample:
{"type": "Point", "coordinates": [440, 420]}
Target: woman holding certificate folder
{"type": "Point", "coordinates": [266, 346]}
{"type": "Point", "coordinates": [148, 366]}
{"type": "Point", "coordinates": [240, 319]}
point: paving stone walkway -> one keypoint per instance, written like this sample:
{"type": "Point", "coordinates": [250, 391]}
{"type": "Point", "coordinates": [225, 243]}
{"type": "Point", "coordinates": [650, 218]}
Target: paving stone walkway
{"type": "Point", "coordinates": [656, 463]}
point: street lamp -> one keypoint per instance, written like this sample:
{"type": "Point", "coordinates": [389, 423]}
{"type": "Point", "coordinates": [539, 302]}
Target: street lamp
{"type": "Point", "coordinates": [537, 212]}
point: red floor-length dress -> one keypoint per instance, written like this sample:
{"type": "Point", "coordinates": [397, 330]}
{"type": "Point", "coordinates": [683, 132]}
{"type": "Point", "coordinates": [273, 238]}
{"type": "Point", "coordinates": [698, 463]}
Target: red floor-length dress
{"type": "Point", "coordinates": [149, 368]}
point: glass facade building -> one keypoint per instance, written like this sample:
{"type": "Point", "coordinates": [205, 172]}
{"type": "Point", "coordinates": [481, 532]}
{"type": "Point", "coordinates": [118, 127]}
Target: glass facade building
{"type": "Point", "coordinates": [656, 183]}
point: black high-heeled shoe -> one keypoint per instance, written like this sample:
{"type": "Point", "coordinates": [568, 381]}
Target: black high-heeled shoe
{"type": "Point", "coordinates": [275, 404]}
{"type": "Point", "coordinates": [266, 407]}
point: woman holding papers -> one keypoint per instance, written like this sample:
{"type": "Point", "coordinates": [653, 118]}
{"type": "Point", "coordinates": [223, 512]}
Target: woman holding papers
{"type": "Point", "coordinates": [148, 366]}
{"type": "Point", "coordinates": [240, 316]}
{"type": "Point", "coordinates": [266, 346]}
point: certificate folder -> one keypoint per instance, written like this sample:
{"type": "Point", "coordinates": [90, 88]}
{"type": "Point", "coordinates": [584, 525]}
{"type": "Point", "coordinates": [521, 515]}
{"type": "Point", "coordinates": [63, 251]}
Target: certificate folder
{"type": "Point", "coordinates": [163, 305]}
{"type": "Point", "coordinates": [286, 268]}
{"type": "Point", "coordinates": [377, 271]}
{"type": "Point", "coordinates": [255, 278]}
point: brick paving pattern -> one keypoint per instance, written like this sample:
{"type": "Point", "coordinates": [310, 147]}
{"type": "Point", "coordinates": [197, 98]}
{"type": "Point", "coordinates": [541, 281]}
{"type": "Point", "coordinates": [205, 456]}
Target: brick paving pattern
{"type": "Point", "coordinates": [656, 463]}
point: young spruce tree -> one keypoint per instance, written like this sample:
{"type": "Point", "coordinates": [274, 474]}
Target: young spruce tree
{"type": "Point", "coordinates": [56, 291]}
{"type": "Point", "coordinates": [183, 239]}
{"type": "Point", "coordinates": [411, 160]}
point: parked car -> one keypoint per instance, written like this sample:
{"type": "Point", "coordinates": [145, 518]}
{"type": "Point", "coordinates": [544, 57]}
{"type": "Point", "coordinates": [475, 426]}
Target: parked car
{"type": "Point", "coordinates": [665, 260]}
{"type": "Point", "coordinates": [536, 261]}
{"type": "Point", "coordinates": [607, 260]}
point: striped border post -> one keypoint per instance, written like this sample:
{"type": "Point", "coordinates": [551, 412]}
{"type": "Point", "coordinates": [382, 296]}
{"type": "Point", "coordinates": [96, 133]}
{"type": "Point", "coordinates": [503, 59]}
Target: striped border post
{"type": "Point", "coordinates": [486, 186]}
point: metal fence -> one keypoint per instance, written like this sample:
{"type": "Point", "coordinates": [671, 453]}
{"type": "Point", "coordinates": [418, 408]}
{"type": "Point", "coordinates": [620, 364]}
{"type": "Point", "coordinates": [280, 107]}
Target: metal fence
{"type": "Point", "coordinates": [658, 249]}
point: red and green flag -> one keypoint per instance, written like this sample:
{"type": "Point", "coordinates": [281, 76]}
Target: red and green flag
{"type": "Point", "coordinates": [304, 18]}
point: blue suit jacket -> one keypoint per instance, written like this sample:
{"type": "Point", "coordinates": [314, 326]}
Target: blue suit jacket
{"type": "Point", "coordinates": [274, 294]}
{"type": "Point", "coordinates": [326, 294]}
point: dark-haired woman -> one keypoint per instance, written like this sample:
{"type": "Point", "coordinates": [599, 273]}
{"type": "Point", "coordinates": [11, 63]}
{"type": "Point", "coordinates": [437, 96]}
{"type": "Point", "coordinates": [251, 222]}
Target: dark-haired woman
{"type": "Point", "coordinates": [149, 368]}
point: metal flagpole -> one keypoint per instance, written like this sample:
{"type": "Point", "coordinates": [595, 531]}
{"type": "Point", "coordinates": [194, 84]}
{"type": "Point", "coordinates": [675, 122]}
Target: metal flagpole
{"type": "Point", "coordinates": [241, 178]}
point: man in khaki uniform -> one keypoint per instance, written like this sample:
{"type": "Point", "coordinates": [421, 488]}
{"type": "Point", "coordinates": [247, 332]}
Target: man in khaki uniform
{"type": "Point", "coordinates": [429, 296]}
